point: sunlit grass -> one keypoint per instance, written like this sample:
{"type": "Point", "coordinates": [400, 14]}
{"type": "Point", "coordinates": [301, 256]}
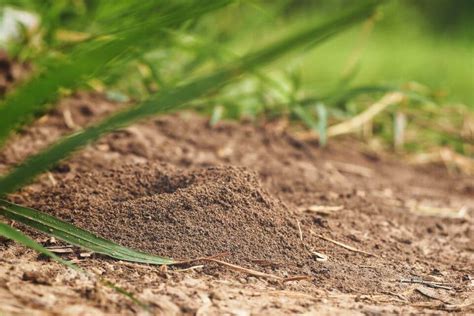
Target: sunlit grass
{"type": "Point", "coordinates": [446, 68]}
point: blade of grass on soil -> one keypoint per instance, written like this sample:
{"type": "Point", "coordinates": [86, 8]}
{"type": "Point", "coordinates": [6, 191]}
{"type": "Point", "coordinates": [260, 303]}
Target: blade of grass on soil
{"type": "Point", "coordinates": [17, 236]}
{"type": "Point", "coordinates": [306, 117]}
{"type": "Point", "coordinates": [177, 97]}
{"type": "Point", "coordinates": [74, 235]}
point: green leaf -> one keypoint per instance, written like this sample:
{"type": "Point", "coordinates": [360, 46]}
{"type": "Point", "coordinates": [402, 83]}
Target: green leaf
{"type": "Point", "coordinates": [343, 95]}
{"type": "Point", "coordinates": [15, 235]}
{"type": "Point", "coordinates": [74, 235]}
{"type": "Point", "coordinates": [94, 57]}
{"type": "Point", "coordinates": [306, 118]}
{"type": "Point", "coordinates": [177, 97]}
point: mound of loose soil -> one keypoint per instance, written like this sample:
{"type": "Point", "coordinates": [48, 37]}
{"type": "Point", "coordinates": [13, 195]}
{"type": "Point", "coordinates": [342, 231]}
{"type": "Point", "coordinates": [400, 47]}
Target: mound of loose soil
{"type": "Point", "coordinates": [178, 187]}
{"type": "Point", "coordinates": [181, 214]}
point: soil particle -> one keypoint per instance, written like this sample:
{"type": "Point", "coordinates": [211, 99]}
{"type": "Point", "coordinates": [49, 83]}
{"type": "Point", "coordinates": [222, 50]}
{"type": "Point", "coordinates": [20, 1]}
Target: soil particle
{"type": "Point", "coordinates": [36, 277]}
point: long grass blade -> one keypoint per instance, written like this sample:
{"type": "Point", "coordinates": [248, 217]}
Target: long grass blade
{"type": "Point", "coordinates": [93, 59]}
{"type": "Point", "coordinates": [306, 117]}
{"type": "Point", "coordinates": [177, 97]}
{"type": "Point", "coordinates": [74, 235]}
{"type": "Point", "coordinates": [15, 235]}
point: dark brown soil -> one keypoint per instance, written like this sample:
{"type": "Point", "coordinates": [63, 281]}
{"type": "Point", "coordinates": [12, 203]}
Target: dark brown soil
{"type": "Point", "coordinates": [181, 214]}
{"type": "Point", "coordinates": [175, 186]}
{"type": "Point", "coordinates": [10, 72]}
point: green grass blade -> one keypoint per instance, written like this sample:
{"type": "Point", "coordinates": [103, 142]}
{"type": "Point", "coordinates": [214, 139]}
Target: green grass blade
{"type": "Point", "coordinates": [15, 235]}
{"type": "Point", "coordinates": [177, 97]}
{"type": "Point", "coordinates": [74, 235]}
{"type": "Point", "coordinates": [217, 113]}
{"type": "Point", "coordinates": [306, 117]}
{"type": "Point", "coordinates": [344, 95]}
{"type": "Point", "coordinates": [93, 58]}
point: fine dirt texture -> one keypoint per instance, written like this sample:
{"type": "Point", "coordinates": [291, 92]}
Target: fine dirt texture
{"type": "Point", "coordinates": [398, 238]}
{"type": "Point", "coordinates": [163, 210]}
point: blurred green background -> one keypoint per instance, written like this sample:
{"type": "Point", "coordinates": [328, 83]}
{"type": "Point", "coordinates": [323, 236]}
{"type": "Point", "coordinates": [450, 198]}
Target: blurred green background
{"type": "Point", "coordinates": [426, 41]}
{"type": "Point", "coordinates": [424, 48]}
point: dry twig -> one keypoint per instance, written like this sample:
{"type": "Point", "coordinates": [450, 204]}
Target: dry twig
{"type": "Point", "coordinates": [299, 230]}
{"type": "Point", "coordinates": [257, 273]}
{"type": "Point", "coordinates": [60, 249]}
{"type": "Point", "coordinates": [353, 169]}
{"type": "Point", "coordinates": [448, 157]}
{"type": "Point", "coordinates": [436, 285]}
{"type": "Point", "coordinates": [350, 248]}
{"type": "Point", "coordinates": [189, 269]}
{"type": "Point", "coordinates": [322, 209]}
{"type": "Point", "coordinates": [244, 270]}
{"type": "Point", "coordinates": [364, 117]}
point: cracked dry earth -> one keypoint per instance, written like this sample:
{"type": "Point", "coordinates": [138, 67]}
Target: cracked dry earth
{"type": "Point", "coordinates": [253, 192]}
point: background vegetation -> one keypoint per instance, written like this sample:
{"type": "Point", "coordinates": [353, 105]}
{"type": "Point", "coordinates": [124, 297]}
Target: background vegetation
{"type": "Point", "coordinates": [424, 48]}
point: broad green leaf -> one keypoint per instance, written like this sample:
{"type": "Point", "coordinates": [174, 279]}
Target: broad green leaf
{"type": "Point", "coordinates": [177, 97]}
{"type": "Point", "coordinates": [74, 235]}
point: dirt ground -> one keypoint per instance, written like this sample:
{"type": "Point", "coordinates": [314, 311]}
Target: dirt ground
{"type": "Point", "coordinates": [371, 233]}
